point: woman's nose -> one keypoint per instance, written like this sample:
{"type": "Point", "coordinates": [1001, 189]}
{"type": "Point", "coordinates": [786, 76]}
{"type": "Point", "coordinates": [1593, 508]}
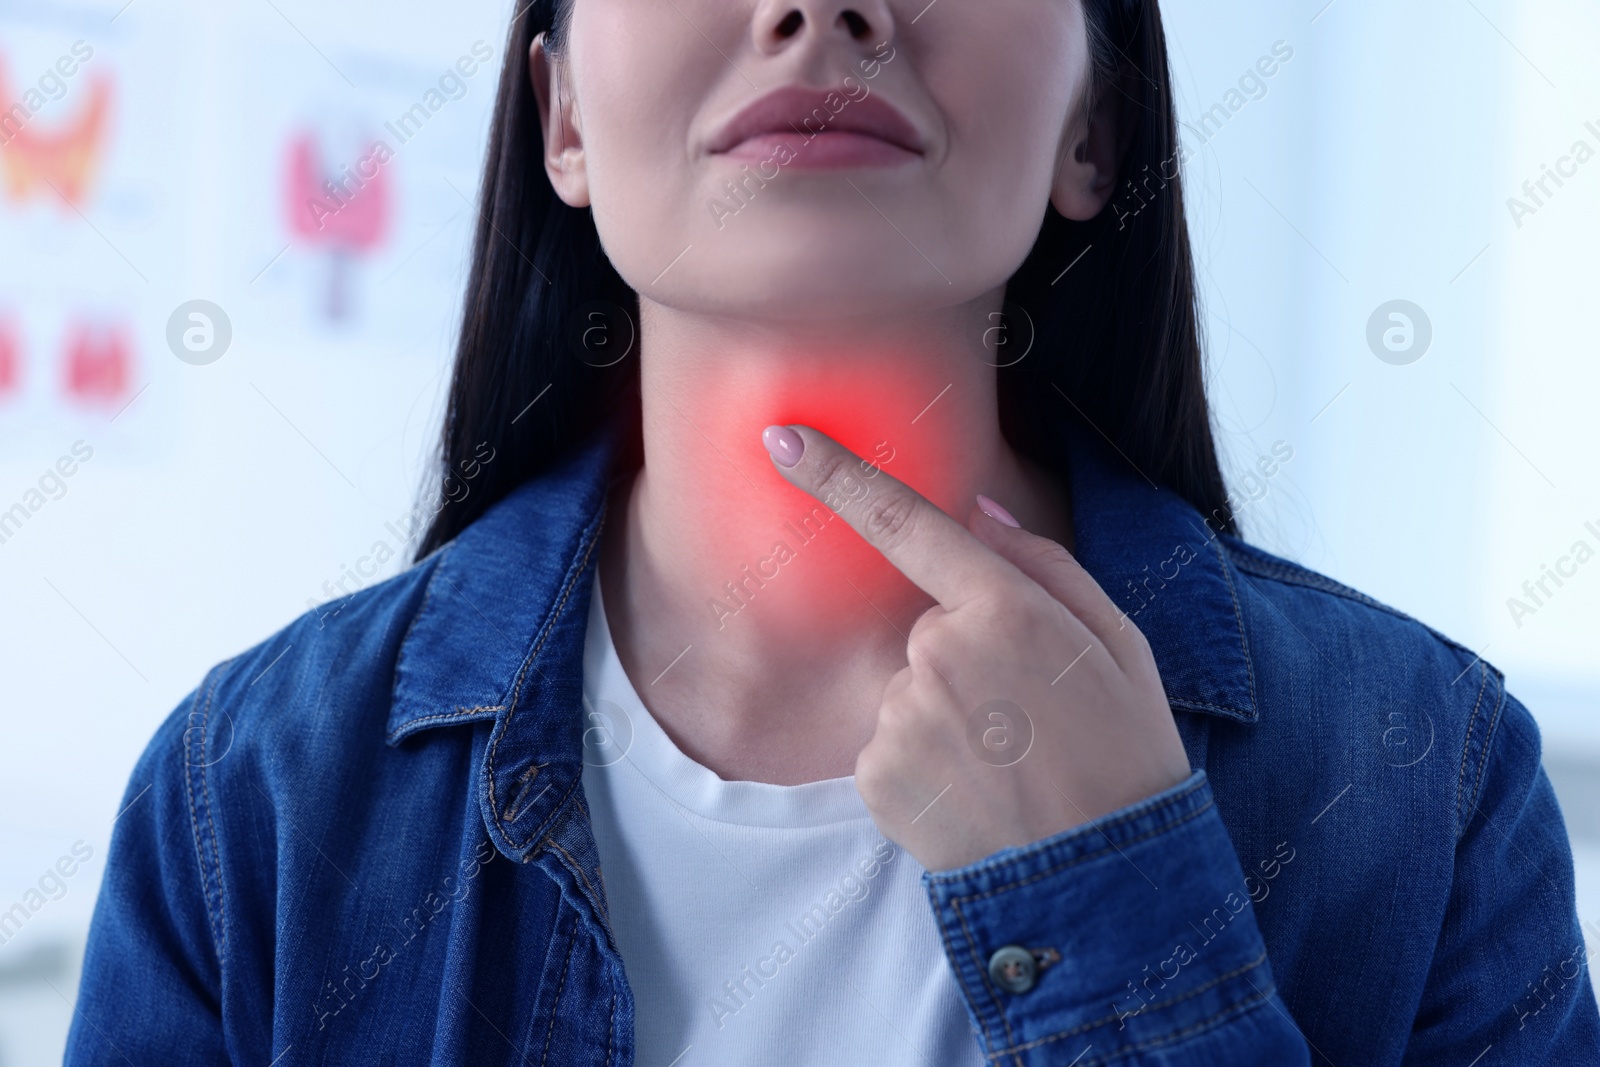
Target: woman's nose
{"type": "Point", "coordinates": [780, 24]}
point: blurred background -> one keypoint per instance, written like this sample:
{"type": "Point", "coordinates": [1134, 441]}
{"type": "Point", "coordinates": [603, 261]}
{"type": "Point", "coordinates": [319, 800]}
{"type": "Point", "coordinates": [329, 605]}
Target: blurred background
{"type": "Point", "coordinates": [1396, 229]}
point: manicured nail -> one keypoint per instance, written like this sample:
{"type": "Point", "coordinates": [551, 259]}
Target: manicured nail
{"type": "Point", "coordinates": [996, 512]}
{"type": "Point", "coordinates": [784, 444]}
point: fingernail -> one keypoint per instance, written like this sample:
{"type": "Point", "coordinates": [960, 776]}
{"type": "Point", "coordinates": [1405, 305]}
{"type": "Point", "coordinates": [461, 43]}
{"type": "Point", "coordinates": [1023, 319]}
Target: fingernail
{"type": "Point", "coordinates": [784, 444]}
{"type": "Point", "coordinates": [996, 512]}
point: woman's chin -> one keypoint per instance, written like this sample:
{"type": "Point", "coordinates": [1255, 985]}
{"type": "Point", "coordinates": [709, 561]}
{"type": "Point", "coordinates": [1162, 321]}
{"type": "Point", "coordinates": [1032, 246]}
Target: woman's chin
{"type": "Point", "coordinates": [801, 296]}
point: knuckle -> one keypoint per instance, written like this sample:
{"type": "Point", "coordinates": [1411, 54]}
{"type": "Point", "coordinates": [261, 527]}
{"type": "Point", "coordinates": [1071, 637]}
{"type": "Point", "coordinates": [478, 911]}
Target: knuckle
{"type": "Point", "coordinates": [1016, 607]}
{"type": "Point", "coordinates": [872, 774]}
{"type": "Point", "coordinates": [889, 517]}
{"type": "Point", "coordinates": [1141, 645]}
{"type": "Point", "coordinates": [833, 474]}
{"type": "Point", "coordinates": [934, 655]}
{"type": "Point", "coordinates": [930, 624]}
{"type": "Point", "coordinates": [1047, 554]}
{"type": "Point", "coordinates": [1129, 633]}
{"type": "Point", "coordinates": [838, 483]}
{"type": "Point", "coordinates": [894, 714]}
{"type": "Point", "coordinates": [897, 685]}
{"type": "Point", "coordinates": [908, 712]}
{"type": "Point", "coordinates": [1128, 640]}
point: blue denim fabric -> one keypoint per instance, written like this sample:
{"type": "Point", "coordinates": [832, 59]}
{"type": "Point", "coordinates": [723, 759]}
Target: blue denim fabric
{"type": "Point", "coordinates": [365, 840]}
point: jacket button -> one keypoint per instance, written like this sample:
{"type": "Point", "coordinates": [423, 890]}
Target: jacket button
{"type": "Point", "coordinates": [1013, 968]}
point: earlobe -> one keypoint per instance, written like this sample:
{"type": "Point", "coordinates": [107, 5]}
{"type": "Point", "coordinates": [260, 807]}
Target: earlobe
{"type": "Point", "coordinates": [561, 133]}
{"type": "Point", "coordinates": [1099, 142]}
{"type": "Point", "coordinates": [1088, 172]}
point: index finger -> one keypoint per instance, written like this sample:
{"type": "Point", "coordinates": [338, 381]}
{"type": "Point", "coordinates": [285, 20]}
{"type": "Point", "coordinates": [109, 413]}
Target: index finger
{"type": "Point", "coordinates": [938, 554]}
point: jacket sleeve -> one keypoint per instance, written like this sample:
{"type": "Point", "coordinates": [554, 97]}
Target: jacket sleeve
{"type": "Point", "coordinates": [1143, 943]}
{"type": "Point", "coordinates": [150, 989]}
{"type": "Point", "coordinates": [1509, 983]}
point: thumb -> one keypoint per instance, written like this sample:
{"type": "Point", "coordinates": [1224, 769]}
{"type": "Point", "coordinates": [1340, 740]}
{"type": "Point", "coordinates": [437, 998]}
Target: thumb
{"type": "Point", "coordinates": [1050, 565]}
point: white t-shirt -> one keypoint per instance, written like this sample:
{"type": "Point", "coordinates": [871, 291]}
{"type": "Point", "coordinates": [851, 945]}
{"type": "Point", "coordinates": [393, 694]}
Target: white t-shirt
{"type": "Point", "coordinates": [758, 923]}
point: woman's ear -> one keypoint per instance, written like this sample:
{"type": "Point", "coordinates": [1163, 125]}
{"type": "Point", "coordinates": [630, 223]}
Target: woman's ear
{"type": "Point", "coordinates": [1093, 151]}
{"type": "Point", "coordinates": [563, 135]}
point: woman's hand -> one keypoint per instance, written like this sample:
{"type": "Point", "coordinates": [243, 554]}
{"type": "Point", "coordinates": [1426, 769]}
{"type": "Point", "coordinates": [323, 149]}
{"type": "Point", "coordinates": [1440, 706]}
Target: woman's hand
{"type": "Point", "coordinates": [1030, 705]}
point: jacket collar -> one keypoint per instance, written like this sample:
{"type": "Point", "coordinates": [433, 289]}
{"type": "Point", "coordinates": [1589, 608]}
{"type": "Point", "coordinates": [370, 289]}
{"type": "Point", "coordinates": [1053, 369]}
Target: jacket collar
{"type": "Point", "coordinates": [1154, 555]}
{"type": "Point", "coordinates": [500, 632]}
{"type": "Point", "coordinates": [499, 637]}
{"type": "Point", "coordinates": [496, 594]}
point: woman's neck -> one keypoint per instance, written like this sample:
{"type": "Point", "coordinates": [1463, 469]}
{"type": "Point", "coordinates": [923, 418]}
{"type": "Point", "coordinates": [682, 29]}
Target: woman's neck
{"type": "Point", "coordinates": [742, 608]}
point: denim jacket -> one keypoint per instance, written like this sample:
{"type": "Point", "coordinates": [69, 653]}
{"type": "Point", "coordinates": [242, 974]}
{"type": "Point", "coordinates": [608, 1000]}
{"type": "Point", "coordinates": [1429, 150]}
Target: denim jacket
{"type": "Point", "coordinates": [365, 840]}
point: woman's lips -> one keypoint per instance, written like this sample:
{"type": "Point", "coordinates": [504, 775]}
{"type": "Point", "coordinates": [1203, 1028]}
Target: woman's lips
{"type": "Point", "coordinates": [828, 150]}
{"type": "Point", "coordinates": [822, 129]}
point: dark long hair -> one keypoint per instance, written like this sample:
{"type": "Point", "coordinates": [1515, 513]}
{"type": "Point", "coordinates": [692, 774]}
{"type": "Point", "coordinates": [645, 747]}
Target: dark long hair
{"type": "Point", "coordinates": [1110, 303]}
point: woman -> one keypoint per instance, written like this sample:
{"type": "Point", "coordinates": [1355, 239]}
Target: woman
{"type": "Point", "coordinates": [858, 664]}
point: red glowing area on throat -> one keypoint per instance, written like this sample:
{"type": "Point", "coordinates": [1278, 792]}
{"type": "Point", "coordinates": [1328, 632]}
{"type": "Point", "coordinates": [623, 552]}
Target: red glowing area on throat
{"type": "Point", "coordinates": [767, 553]}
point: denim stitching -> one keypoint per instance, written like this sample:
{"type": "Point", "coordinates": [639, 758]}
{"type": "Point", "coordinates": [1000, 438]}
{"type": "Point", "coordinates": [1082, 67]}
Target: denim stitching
{"type": "Point", "coordinates": [217, 922]}
{"type": "Point", "coordinates": [576, 868]}
{"type": "Point", "coordinates": [1011, 1039]}
{"type": "Point", "coordinates": [211, 823]}
{"type": "Point", "coordinates": [949, 948]}
{"type": "Point", "coordinates": [422, 609]}
{"type": "Point", "coordinates": [199, 847]}
{"type": "Point", "coordinates": [555, 1003]}
{"type": "Point", "coordinates": [1136, 811]}
{"type": "Point", "coordinates": [216, 856]}
{"type": "Point", "coordinates": [1239, 1008]}
{"type": "Point", "coordinates": [407, 728]}
{"type": "Point", "coordinates": [555, 813]}
{"type": "Point", "coordinates": [1086, 857]}
{"type": "Point", "coordinates": [516, 692]}
{"type": "Point", "coordinates": [194, 826]}
{"type": "Point", "coordinates": [611, 1028]}
{"type": "Point", "coordinates": [1248, 559]}
{"type": "Point", "coordinates": [602, 905]}
{"type": "Point", "coordinates": [1488, 741]}
{"type": "Point", "coordinates": [1233, 593]}
{"type": "Point", "coordinates": [956, 902]}
{"type": "Point", "coordinates": [1466, 749]}
{"type": "Point", "coordinates": [1205, 706]}
{"type": "Point", "coordinates": [1221, 1016]}
{"type": "Point", "coordinates": [1483, 758]}
{"type": "Point", "coordinates": [1196, 991]}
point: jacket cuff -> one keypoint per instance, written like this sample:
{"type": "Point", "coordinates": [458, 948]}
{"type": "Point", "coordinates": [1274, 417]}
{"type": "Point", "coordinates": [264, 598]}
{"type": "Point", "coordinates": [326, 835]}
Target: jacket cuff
{"type": "Point", "coordinates": [1139, 927]}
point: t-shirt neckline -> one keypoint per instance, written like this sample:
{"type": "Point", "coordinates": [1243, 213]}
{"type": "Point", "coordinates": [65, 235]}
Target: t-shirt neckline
{"type": "Point", "coordinates": [639, 745]}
